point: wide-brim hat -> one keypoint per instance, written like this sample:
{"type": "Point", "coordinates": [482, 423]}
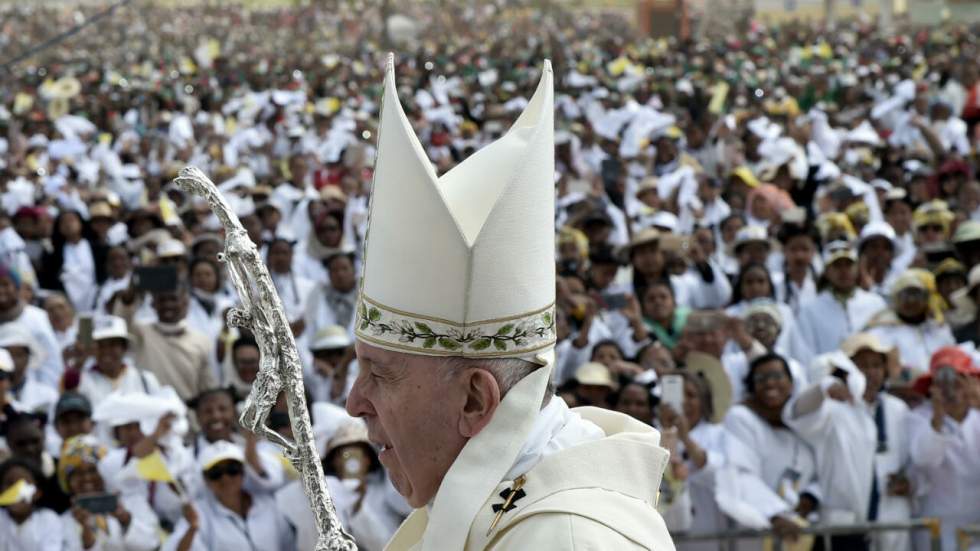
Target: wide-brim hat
{"type": "Point", "coordinates": [12, 335]}
{"type": "Point", "coordinates": [643, 237]}
{"type": "Point", "coordinates": [332, 337]}
{"type": "Point", "coordinates": [710, 369]}
{"type": "Point", "coordinates": [595, 374]}
{"type": "Point", "coordinates": [100, 210]}
{"type": "Point", "coordinates": [354, 431]}
{"type": "Point", "coordinates": [966, 232]}
{"type": "Point", "coordinates": [864, 341]}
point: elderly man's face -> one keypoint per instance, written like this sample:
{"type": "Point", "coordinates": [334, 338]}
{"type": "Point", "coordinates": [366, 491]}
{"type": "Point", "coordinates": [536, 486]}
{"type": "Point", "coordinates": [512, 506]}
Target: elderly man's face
{"type": "Point", "coordinates": [412, 408]}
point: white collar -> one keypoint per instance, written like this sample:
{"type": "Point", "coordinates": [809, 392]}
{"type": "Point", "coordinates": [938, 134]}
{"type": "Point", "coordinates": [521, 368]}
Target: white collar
{"type": "Point", "coordinates": [556, 428]}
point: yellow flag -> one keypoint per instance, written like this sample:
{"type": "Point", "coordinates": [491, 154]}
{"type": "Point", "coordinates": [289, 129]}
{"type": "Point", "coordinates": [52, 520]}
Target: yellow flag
{"type": "Point", "coordinates": [717, 104]}
{"type": "Point", "coordinates": [287, 467]}
{"type": "Point", "coordinates": [153, 467]}
{"type": "Point", "coordinates": [23, 103]}
{"type": "Point", "coordinates": [214, 48]}
{"type": "Point", "coordinates": [618, 66]}
{"type": "Point", "coordinates": [19, 491]}
{"type": "Point", "coordinates": [824, 50]}
{"type": "Point", "coordinates": [920, 72]}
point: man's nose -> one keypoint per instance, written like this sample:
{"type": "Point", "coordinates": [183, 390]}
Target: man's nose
{"type": "Point", "coordinates": [357, 405]}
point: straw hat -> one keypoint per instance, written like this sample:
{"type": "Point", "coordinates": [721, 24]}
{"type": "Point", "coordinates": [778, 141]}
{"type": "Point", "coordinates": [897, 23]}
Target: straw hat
{"type": "Point", "coordinates": [710, 369]}
{"type": "Point", "coordinates": [594, 374]}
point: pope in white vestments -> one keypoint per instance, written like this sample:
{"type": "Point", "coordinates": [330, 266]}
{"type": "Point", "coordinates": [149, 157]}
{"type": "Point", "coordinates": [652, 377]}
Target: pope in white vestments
{"type": "Point", "coordinates": [455, 337]}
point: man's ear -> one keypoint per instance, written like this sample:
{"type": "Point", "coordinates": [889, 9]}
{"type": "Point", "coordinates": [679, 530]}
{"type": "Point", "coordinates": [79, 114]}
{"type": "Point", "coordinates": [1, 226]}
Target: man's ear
{"type": "Point", "coordinates": [482, 399]}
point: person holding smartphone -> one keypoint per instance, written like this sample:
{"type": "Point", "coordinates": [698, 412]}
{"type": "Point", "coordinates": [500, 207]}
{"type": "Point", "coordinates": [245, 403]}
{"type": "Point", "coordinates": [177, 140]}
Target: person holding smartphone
{"type": "Point", "coordinates": [99, 520]}
{"type": "Point", "coordinates": [943, 441]}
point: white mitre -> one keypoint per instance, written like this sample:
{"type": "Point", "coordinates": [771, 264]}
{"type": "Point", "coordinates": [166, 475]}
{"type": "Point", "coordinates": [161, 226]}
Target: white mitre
{"type": "Point", "coordinates": [463, 264]}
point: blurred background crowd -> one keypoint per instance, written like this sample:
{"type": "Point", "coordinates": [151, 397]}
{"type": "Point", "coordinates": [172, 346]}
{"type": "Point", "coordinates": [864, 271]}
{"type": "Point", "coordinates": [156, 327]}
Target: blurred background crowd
{"type": "Point", "coordinates": [767, 244]}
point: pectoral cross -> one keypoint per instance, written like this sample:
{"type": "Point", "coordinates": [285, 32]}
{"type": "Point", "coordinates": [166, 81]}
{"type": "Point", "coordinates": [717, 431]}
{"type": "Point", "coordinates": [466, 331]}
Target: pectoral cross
{"type": "Point", "coordinates": [510, 496]}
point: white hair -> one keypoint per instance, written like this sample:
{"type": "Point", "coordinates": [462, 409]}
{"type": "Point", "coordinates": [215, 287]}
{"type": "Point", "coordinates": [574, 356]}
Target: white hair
{"type": "Point", "coordinates": [506, 371]}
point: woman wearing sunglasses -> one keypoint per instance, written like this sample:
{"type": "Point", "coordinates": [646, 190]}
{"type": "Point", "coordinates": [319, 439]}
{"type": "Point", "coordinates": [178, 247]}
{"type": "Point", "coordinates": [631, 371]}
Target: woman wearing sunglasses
{"type": "Point", "coordinates": [227, 516]}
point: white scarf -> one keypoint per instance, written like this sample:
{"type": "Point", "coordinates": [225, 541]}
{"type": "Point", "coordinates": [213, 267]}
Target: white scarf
{"type": "Point", "coordinates": [555, 429]}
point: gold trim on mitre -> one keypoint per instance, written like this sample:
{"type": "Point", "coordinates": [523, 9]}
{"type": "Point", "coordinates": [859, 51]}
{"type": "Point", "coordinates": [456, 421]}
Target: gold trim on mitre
{"type": "Point", "coordinates": [505, 337]}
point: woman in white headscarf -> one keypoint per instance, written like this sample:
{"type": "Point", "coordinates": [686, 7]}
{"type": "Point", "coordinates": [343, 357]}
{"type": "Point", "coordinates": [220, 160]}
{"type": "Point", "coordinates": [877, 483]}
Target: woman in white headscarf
{"type": "Point", "coordinates": [769, 481]}
{"type": "Point", "coordinates": [914, 324]}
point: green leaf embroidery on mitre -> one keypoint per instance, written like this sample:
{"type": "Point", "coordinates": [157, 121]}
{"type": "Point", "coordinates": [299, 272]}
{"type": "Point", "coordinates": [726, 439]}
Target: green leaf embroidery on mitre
{"type": "Point", "coordinates": [537, 329]}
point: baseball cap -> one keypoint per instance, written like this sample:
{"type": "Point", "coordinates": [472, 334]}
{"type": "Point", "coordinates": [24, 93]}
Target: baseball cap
{"type": "Point", "coordinates": [110, 327]}
{"type": "Point", "coordinates": [71, 402]}
{"type": "Point", "coordinates": [838, 250]}
{"type": "Point", "coordinates": [219, 451]}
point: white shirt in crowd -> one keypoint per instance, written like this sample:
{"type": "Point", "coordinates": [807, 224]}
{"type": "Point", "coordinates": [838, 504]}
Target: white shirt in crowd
{"type": "Point", "coordinates": [78, 275]}
{"type": "Point", "coordinates": [35, 322]}
{"type": "Point", "coordinates": [825, 322]}
{"type": "Point", "coordinates": [915, 343]}
{"type": "Point", "coordinates": [852, 456]}
{"type": "Point", "coordinates": [773, 465]}
{"type": "Point", "coordinates": [42, 531]}
{"type": "Point", "coordinates": [142, 534]}
{"type": "Point", "coordinates": [264, 527]}
{"type": "Point", "coordinates": [948, 463]}
{"type": "Point", "coordinates": [96, 387]}
{"type": "Point", "coordinates": [707, 518]}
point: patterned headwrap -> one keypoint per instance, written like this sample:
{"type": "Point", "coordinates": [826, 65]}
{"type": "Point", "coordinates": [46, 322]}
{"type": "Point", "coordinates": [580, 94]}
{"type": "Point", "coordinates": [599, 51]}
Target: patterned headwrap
{"type": "Point", "coordinates": [75, 452]}
{"type": "Point", "coordinates": [921, 279]}
{"type": "Point", "coordinates": [11, 272]}
{"type": "Point", "coordinates": [934, 212]}
{"type": "Point", "coordinates": [835, 226]}
{"type": "Point", "coordinates": [576, 237]}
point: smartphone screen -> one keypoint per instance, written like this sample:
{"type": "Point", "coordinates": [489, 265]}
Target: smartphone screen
{"type": "Point", "coordinates": [155, 278]}
{"type": "Point", "coordinates": [672, 392]}
{"type": "Point", "coordinates": [98, 503]}
{"type": "Point", "coordinates": [614, 301]}
{"type": "Point", "coordinates": [85, 330]}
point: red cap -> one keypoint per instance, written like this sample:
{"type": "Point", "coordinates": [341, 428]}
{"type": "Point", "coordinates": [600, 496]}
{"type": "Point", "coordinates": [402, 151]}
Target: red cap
{"type": "Point", "coordinates": [30, 212]}
{"type": "Point", "coordinates": [947, 356]}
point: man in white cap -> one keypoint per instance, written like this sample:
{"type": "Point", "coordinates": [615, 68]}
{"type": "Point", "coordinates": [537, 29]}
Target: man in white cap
{"type": "Point", "coordinates": [842, 307]}
{"type": "Point", "coordinates": [111, 372]}
{"type": "Point", "coordinates": [333, 366]}
{"type": "Point", "coordinates": [455, 338]}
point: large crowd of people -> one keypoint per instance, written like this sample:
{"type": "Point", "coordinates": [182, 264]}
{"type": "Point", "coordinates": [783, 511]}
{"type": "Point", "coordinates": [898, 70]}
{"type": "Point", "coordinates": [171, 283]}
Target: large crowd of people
{"type": "Point", "coordinates": [767, 246]}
